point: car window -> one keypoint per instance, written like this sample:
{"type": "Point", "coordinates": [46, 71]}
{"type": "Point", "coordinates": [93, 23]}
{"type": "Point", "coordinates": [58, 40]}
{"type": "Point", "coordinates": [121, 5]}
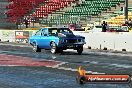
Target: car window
{"type": "Point", "coordinates": [52, 32]}
{"type": "Point", "coordinates": [38, 33]}
{"type": "Point", "coordinates": [66, 30]}
{"type": "Point", "coordinates": [44, 31]}
{"type": "Point", "coordinates": [55, 31]}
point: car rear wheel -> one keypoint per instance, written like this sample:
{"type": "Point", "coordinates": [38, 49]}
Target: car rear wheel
{"type": "Point", "coordinates": [53, 48]}
{"type": "Point", "coordinates": [80, 50]}
{"type": "Point", "coordinates": [36, 48]}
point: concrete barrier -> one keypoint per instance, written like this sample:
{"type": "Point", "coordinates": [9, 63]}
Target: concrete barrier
{"type": "Point", "coordinates": [120, 41]}
{"type": "Point", "coordinates": [7, 35]}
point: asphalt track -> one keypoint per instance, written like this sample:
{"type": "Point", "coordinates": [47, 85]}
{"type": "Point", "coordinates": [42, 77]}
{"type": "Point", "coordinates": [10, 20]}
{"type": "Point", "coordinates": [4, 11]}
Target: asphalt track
{"type": "Point", "coordinates": [23, 68]}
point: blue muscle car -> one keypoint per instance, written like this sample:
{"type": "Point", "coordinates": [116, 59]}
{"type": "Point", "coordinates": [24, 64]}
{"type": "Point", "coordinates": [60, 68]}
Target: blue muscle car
{"type": "Point", "coordinates": [57, 40]}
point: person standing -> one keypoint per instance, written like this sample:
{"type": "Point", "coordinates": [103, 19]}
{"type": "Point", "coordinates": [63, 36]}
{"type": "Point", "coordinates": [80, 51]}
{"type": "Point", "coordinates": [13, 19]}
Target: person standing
{"type": "Point", "coordinates": [130, 23]}
{"type": "Point", "coordinates": [107, 26]}
{"type": "Point", "coordinates": [104, 26]}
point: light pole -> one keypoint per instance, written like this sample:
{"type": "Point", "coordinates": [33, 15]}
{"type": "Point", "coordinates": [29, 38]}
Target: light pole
{"type": "Point", "coordinates": [33, 18]}
{"type": "Point", "coordinates": [126, 10]}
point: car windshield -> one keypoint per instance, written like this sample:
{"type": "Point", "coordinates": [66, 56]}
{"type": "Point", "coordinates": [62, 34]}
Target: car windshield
{"type": "Point", "coordinates": [55, 31]}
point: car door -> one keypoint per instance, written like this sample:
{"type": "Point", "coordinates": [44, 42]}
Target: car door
{"type": "Point", "coordinates": [45, 40]}
{"type": "Point", "coordinates": [36, 37]}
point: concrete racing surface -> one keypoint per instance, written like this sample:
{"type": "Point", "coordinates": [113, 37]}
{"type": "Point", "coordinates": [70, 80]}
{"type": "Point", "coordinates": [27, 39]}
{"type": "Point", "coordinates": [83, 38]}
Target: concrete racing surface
{"type": "Point", "coordinates": [23, 68]}
{"type": "Point", "coordinates": [27, 77]}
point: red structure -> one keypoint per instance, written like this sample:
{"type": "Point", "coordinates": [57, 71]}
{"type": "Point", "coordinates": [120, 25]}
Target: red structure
{"type": "Point", "coordinates": [34, 8]}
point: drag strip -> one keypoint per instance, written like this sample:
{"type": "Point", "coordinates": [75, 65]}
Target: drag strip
{"type": "Point", "coordinates": [92, 61]}
{"type": "Point", "coordinates": [41, 77]}
{"type": "Point", "coordinates": [17, 58]}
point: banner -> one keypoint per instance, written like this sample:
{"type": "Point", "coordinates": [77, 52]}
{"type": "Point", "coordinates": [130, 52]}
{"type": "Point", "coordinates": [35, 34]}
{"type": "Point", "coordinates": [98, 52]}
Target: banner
{"type": "Point", "coordinates": [22, 36]}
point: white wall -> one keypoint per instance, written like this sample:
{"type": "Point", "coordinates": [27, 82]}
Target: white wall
{"type": "Point", "coordinates": [109, 40]}
{"type": "Point", "coordinates": [6, 35]}
{"type": "Point", "coordinates": [96, 40]}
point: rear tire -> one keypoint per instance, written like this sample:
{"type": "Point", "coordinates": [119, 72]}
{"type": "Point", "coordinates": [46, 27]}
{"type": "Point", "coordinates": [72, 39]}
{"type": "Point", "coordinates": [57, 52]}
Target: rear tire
{"type": "Point", "coordinates": [36, 48]}
{"type": "Point", "coordinates": [79, 50]}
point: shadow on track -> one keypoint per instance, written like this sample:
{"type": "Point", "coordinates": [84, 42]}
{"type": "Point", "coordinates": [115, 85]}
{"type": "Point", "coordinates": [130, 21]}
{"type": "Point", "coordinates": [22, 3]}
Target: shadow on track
{"type": "Point", "coordinates": [66, 52]}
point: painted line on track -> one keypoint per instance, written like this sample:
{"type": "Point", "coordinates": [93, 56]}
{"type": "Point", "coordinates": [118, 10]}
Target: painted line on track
{"type": "Point", "coordinates": [71, 69]}
{"type": "Point", "coordinates": [9, 65]}
{"type": "Point", "coordinates": [75, 70]}
{"type": "Point", "coordinates": [26, 45]}
{"type": "Point", "coordinates": [110, 53]}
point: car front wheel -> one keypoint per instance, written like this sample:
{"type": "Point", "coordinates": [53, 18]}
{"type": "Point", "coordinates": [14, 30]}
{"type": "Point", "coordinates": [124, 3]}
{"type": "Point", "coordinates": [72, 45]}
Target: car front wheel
{"type": "Point", "coordinates": [80, 50]}
{"type": "Point", "coordinates": [53, 48]}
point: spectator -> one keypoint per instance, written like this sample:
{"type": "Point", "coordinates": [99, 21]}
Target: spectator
{"type": "Point", "coordinates": [104, 26]}
{"type": "Point", "coordinates": [107, 26]}
{"type": "Point", "coordinates": [126, 22]}
{"type": "Point", "coordinates": [130, 23]}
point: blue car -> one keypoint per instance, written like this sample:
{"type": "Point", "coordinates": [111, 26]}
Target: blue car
{"type": "Point", "coordinates": [57, 40]}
